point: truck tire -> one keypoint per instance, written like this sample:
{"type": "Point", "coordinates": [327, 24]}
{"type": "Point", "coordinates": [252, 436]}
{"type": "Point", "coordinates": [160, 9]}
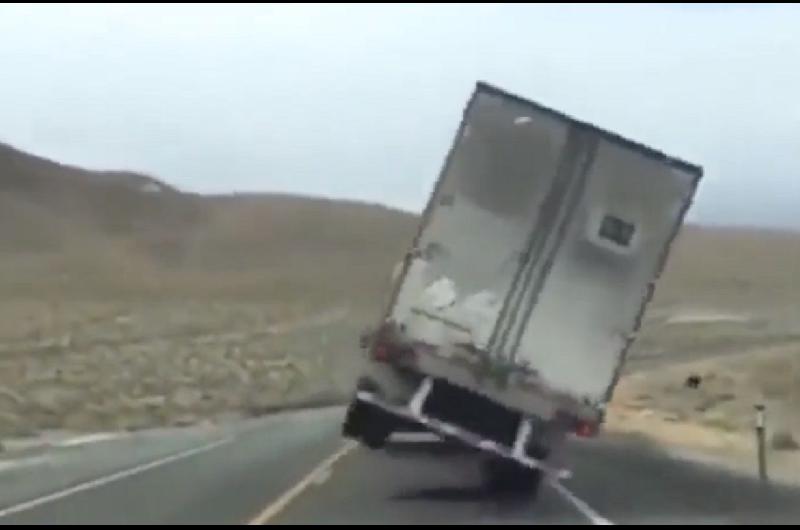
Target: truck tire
{"type": "Point", "coordinates": [375, 436]}
{"type": "Point", "coordinates": [367, 424]}
{"type": "Point", "coordinates": [506, 476]}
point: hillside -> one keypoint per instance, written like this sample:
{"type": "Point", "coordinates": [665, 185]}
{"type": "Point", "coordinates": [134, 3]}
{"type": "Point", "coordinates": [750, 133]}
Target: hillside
{"type": "Point", "coordinates": [64, 229]}
{"type": "Point", "coordinates": [46, 204]}
{"type": "Point", "coordinates": [129, 303]}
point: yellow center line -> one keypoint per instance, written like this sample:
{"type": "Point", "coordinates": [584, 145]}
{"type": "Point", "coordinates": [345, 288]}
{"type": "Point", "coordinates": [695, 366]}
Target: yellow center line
{"type": "Point", "coordinates": [284, 500]}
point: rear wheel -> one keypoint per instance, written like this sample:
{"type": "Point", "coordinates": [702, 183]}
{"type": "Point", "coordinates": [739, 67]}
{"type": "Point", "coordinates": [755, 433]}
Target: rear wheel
{"type": "Point", "coordinates": [506, 476]}
{"type": "Point", "coordinates": [367, 424]}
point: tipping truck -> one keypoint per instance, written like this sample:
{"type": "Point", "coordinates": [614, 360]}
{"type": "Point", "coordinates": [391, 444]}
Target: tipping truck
{"type": "Point", "coordinates": [511, 314]}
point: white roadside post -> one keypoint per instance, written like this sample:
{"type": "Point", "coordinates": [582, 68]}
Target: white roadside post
{"type": "Point", "coordinates": [761, 441]}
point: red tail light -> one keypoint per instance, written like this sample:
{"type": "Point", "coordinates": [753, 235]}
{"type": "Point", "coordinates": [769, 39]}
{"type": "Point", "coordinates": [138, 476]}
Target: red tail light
{"type": "Point", "coordinates": [386, 352]}
{"type": "Point", "coordinates": [381, 353]}
{"type": "Point", "coordinates": [585, 429]}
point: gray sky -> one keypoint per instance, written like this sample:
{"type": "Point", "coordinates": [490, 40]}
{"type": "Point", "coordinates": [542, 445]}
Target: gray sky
{"type": "Point", "coordinates": [362, 101]}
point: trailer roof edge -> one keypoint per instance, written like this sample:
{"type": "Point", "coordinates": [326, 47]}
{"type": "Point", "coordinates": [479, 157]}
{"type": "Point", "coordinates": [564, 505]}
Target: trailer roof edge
{"type": "Point", "coordinates": [696, 170]}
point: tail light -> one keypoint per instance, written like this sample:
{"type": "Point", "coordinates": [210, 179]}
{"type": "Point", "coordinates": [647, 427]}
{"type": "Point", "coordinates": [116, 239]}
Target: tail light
{"type": "Point", "coordinates": [381, 353]}
{"type": "Point", "coordinates": [585, 429]}
{"type": "Point", "coordinates": [385, 352]}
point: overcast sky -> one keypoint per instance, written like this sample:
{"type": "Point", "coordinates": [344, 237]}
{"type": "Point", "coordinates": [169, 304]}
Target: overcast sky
{"type": "Point", "coordinates": [362, 101]}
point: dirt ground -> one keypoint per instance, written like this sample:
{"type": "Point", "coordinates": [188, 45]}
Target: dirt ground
{"type": "Point", "coordinates": [105, 367]}
{"type": "Point", "coordinates": [705, 409]}
{"type": "Point", "coordinates": [128, 303]}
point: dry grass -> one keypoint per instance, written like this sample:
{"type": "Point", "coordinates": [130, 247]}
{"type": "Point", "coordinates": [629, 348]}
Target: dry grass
{"type": "Point", "coordinates": [126, 309]}
{"type": "Point", "coordinates": [718, 418]}
{"type": "Point", "coordinates": [730, 387]}
{"type": "Point", "coordinates": [744, 269]}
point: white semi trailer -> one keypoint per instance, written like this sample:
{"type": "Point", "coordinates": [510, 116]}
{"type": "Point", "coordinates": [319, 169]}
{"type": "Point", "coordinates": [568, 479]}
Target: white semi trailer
{"type": "Point", "coordinates": [511, 315]}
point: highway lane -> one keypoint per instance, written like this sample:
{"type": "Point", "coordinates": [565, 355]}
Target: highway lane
{"type": "Point", "coordinates": [633, 482]}
{"type": "Point", "coordinates": [268, 471]}
{"type": "Point", "coordinates": [616, 481]}
{"type": "Point", "coordinates": [416, 484]}
{"type": "Point", "coordinates": [220, 475]}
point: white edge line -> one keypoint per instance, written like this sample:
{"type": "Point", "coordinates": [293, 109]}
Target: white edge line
{"type": "Point", "coordinates": [580, 505]}
{"type": "Point", "coordinates": [29, 461]}
{"type": "Point", "coordinates": [284, 500]}
{"type": "Point", "coordinates": [88, 439]}
{"type": "Point", "coordinates": [102, 481]}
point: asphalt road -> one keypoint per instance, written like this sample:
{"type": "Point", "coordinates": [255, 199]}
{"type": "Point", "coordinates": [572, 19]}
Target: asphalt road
{"type": "Point", "coordinates": [294, 469]}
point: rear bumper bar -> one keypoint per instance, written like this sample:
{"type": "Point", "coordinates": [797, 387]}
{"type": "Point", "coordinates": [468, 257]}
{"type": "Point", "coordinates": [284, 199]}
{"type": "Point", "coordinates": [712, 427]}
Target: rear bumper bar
{"type": "Point", "coordinates": [413, 411]}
